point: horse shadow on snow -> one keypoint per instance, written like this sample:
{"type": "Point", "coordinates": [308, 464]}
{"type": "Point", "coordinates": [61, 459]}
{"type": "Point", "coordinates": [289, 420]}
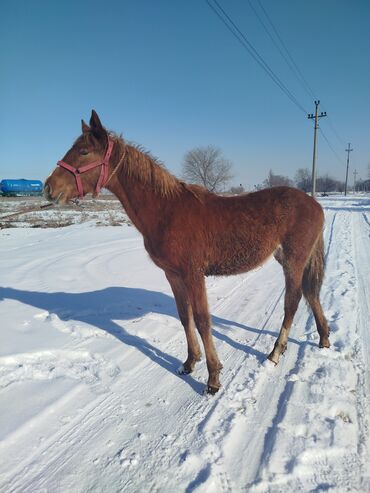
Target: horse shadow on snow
{"type": "Point", "coordinates": [100, 308]}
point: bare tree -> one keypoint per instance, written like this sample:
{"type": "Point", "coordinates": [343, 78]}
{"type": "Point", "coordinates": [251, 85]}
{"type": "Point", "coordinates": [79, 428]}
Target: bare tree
{"type": "Point", "coordinates": [328, 184]}
{"type": "Point", "coordinates": [276, 180]}
{"type": "Point", "coordinates": [208, 167]}
{"type": "Point", "coordinates": [303, 179]}
{"type": "Point", "coordinates": [324, 183]}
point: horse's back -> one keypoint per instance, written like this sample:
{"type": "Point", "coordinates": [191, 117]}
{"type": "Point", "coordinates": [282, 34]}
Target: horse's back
{"type": "Point", "coordinates": [226, 235]}
{"type": "Point", "coordinates": [278, 208]}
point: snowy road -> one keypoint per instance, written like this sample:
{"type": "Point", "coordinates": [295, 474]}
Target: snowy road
{"type": "Point", "coordinates": [90, 400]}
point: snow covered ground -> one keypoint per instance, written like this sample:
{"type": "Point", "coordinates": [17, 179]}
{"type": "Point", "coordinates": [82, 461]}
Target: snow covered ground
{"type": "Point", "coordinates": [90, 400]}
{"type": "Point", "coordinates": [103, 211]}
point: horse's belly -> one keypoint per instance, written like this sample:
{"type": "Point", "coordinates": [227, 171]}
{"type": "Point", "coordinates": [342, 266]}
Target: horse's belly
{"type": "Point", "coordinates": [234, 265]}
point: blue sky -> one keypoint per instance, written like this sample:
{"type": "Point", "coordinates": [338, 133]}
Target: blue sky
{"type": "Point", "coordinates": [168, 74]}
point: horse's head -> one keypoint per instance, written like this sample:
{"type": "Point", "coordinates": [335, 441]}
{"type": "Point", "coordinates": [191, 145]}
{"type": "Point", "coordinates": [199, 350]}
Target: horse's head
{"type": "Point", "coordinates": [84, 168]}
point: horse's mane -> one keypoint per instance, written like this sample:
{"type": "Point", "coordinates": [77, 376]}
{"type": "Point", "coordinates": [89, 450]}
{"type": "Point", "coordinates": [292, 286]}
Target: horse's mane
{"type": "Point", "coordinates": [140, 164]}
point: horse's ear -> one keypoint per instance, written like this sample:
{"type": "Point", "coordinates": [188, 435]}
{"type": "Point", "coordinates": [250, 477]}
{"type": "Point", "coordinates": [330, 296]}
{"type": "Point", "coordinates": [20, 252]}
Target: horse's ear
{"type": "Point", "coordinates": [96, 127]}
{"type": "Point", "coordinates": [85, 127]}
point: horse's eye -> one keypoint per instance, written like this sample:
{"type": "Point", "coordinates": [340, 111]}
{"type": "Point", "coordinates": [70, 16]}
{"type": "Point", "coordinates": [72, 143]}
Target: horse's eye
{"type": "Point", "coordinates": [84, 152]}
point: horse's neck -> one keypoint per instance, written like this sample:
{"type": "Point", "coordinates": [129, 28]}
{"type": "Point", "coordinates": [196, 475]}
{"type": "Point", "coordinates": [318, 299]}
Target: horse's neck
{"type": "Point", "coordinates": [140, 204]}
{"type": "Point", "coordinates": [144, 206]}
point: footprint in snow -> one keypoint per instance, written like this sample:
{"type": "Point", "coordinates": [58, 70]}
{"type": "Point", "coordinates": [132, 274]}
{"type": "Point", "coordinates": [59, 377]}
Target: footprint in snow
{"type": "Point", "coordinates": [128, 460]}
{"type": "Point", "coordinates": [48, 365]}
{"type": "Point", "coordinates": [78, 330]}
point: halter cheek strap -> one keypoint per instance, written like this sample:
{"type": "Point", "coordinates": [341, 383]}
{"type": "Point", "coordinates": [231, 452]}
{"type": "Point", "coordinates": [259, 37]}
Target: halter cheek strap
{"type": "Point", "coordinates": [77, 172]}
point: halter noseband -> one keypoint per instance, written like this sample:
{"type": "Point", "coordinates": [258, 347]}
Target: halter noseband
{"type": "Point", "coordinates": [77, 172]}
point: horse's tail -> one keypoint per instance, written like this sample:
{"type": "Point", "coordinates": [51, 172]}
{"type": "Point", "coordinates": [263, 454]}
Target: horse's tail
{"type": "Point", "coordinates": [313, 274]}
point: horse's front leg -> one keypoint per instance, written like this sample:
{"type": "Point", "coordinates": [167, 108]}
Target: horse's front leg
{"type": "Point", "coordinates": [198, 298]}
{"type": "Point", "coordinates": [186, 316]}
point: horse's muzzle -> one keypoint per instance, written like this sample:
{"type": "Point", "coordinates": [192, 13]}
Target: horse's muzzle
{"type": "Point", "coordinates": [48, 194]}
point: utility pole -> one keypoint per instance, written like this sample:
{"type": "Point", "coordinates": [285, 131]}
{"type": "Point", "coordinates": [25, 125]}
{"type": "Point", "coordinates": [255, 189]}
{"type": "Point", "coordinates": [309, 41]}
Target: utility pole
{"type": "Point", "coordinates": [354, 180]}
{"type": "Point", "coordinates": [348, 150]}
{"type": "Point", "coordinates": [316, 116]}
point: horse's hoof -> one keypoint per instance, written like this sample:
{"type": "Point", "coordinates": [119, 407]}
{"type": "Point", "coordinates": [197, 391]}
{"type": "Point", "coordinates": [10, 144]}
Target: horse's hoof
{"type": "Point", "coordinates": [181, 370]}
{"type": "Point", "coordinates": [268, 364]}
{"type": "Point", "coordinates": [209, 390]}
{"type": "Point", "coordinates": [324, 344]}
{"type": "Point", "coordinates": [273, 359]}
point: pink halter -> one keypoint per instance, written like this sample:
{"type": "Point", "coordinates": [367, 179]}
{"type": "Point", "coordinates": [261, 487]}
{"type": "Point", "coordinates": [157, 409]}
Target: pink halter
{"type": "Point", "coordinates": [103, 173]}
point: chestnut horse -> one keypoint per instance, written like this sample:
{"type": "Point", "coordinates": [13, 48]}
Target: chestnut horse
{"type": "Point", "coordinates": [190, 232]}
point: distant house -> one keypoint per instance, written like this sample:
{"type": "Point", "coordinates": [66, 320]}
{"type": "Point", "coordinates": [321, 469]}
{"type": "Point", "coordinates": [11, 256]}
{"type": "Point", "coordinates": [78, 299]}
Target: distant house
{"type": "Point", "coordinates": [20, 187]}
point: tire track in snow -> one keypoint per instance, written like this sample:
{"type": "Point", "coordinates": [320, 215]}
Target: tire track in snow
{"type": "Point", "coordinates": [294, 459]}
{"type": "Point", "coordinates": [41, 468]}
{"type": "Point", "coordinates": [33, 266]}
{"type": "Point", "coordinates": [330, 235]}
{"type": "Point", "coordinates": [362, 267]}
{"type": "Point", "coordinates": [366, 219]}
{"type": "Point", "coordinates": [285, 389]}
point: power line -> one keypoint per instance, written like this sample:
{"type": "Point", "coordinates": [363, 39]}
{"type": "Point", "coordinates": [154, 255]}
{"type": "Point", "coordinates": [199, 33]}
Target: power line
{"type": "Point", "coordinates": [247, 45]}
{"type": "Point", "coordinates": [339, 138]}
{"type": "Point", "coordinates": [294, 67]}
{"type": "Point", "coordinates": [331, 147]}
{"type": "Point", "coordinates": [290, 60]}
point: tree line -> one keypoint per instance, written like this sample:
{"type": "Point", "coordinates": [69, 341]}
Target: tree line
{"type": "Point", "coordinates": [303, 181]}
{"type": "Point", "coordinates": [208, 166]}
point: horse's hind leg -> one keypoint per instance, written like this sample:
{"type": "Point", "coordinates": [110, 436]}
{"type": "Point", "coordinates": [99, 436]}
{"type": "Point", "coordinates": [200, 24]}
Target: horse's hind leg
{"type": "Point", "coordinates": [198, 298]}
{"type": "Point", "coordinates": [186, 316]}
{"type": "Point", "coordinates": [320, 319]}
{"type": "Point", "coordinates": [293, 292]}
{"type": "Point", "coordinates": [311, 284]}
